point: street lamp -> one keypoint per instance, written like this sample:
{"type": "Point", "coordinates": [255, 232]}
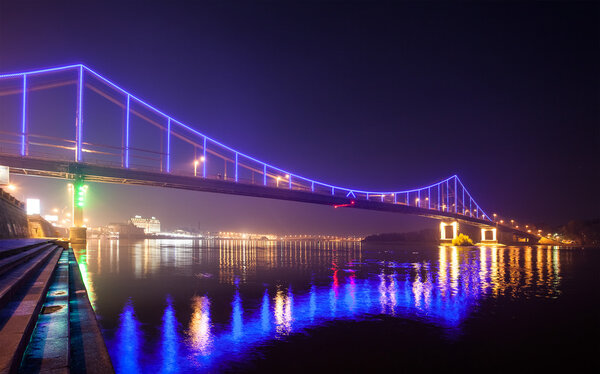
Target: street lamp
{"type": "Point", "coordinates": [196, 163]}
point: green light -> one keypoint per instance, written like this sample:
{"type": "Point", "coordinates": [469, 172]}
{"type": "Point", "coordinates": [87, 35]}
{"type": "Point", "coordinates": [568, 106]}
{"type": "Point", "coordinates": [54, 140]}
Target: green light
{"type": "Point", "coordinates": [80, 193]}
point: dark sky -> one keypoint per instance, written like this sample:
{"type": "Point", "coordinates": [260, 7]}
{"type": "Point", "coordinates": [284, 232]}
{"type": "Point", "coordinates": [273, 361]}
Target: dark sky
{"type": "Point", "coordinates": [360, 94]}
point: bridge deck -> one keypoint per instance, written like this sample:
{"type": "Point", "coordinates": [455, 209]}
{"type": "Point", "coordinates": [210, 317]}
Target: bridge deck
{"type": "Point", "coordinates": [106, 174]}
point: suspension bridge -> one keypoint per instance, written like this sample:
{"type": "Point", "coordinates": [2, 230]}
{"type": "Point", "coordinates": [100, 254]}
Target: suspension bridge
{"type": "Point", "coordinates": [71, 122]}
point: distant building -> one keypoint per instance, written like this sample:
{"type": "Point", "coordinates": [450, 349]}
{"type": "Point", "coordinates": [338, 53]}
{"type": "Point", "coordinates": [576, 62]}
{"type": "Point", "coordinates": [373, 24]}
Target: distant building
{"type": "Point", "coordinates": [149, 225]}
{"type": "Point", "coordinates": [125, 230]}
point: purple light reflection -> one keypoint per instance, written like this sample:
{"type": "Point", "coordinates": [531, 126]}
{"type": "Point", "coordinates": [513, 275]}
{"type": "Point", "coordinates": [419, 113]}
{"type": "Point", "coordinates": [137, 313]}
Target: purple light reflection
{"type": "Point", "coordinates": [442, 291]}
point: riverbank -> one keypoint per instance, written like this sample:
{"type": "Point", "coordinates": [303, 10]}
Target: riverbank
{"type": "Point", "coordinates": [47, 321]}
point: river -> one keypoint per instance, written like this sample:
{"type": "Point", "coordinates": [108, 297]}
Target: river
{"type": "Point", "coordinates": [170, 306]}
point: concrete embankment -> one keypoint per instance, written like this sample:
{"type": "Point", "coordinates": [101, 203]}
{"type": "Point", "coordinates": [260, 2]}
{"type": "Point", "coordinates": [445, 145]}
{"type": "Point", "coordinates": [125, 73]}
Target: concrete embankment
{"type": "Point", "coordinates": [13, 220]}
{"type": "Point", "coordinates": [46, 321]}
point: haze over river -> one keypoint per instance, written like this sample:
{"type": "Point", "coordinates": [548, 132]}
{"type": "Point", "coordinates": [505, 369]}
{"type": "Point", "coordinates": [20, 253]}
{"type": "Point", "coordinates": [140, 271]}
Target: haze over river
{"type": "Point", "coordinates": [187, 306]}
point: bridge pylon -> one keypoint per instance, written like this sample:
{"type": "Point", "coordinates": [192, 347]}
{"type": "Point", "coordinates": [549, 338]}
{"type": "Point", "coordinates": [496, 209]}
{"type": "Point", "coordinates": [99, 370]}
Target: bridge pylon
{"type": "Point", "coordinates": [78, 190]}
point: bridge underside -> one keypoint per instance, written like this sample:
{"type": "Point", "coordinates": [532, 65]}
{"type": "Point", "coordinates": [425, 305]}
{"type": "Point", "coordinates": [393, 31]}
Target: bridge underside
{"type": "Point", "coordinates": [105, 174]}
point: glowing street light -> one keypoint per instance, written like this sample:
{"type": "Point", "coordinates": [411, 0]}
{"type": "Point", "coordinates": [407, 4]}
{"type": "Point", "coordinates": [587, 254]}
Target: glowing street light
{"type": "Point", "coordinates": [11, 187]}
{"type": "Point", "coordinates": [196, 163]}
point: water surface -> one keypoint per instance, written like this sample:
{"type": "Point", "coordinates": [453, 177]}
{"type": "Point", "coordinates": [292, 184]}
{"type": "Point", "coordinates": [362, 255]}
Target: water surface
{"type": "Point", "coordinates": [187, 306]}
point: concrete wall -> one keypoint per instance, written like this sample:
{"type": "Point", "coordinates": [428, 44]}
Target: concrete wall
{"type": "Point", "coordinates": [13, 220]}
{"type": "Point", "coordinates": [40, 228]}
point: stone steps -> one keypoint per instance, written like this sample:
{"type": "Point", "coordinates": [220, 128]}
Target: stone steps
{"type": "Point", "coordinates": [19, 315]}
{"type": "Point", "coordinates": [9, 247]}
{"type": "Point", "coordinates": [8, 263]}
{"type": "Point", "coordinates": [47, 324]}
{"type": "Point", "coordinates": [12, 280]}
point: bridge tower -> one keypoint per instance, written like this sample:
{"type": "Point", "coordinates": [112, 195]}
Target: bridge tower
{"type": "Point", "coordinates": [78, 189]}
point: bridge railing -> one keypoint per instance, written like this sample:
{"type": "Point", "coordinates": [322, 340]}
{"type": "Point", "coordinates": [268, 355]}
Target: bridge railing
{"type": "Point", "coordinates": [73, 113]}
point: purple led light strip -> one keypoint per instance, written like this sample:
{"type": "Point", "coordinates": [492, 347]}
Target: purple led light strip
{"type": "Point", "coordinates": [127, 134]}
{"type": "Point", "coordinates": [79, 115]}
{"type": "Point", "coordinates": [24, 118]}
{"type": "Point", "coordinates": [168, 145]}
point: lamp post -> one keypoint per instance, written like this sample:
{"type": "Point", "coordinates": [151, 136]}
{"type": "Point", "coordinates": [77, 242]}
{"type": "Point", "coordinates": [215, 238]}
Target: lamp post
{"type": "Point", "coordinates": [196, 163]}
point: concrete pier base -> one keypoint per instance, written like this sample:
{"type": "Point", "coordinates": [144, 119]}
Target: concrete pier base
{"type": "Point", "coordinates": [77, 235]}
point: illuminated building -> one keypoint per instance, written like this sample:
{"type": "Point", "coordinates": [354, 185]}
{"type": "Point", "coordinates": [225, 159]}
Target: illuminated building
{"type": "Point", "coordinates": [149, 225]}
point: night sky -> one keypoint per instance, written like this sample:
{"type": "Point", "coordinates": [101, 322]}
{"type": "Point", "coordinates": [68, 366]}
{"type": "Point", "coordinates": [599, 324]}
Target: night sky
{"type": "Point", "coordinates": [359, 94]}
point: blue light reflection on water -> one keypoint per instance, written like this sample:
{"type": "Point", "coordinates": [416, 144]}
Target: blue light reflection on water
{"type": "Point", "coordinates": [128, 342]}
{"type": "Point", "coordinates": [443, 293]}
{"type": "Point", "coordinates": [170, 339]}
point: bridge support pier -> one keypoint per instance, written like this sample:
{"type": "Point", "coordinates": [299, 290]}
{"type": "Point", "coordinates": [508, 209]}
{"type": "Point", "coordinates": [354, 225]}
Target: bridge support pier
{"type": "Point", "coordinates": [448, 231]}
{"type": "Point", "coordinates": [489, 235]}
{"type": "Point", "coordinates": [77, 233]}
